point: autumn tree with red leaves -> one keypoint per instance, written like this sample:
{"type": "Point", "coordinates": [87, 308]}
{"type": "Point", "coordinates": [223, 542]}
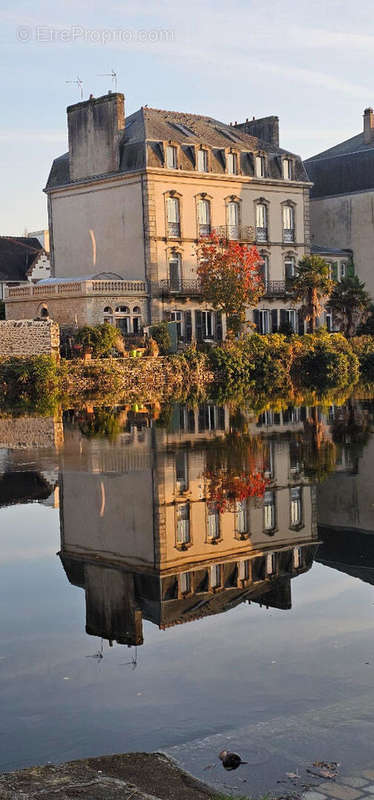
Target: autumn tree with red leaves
{"type": "Point", "coordinates": [230, 277]}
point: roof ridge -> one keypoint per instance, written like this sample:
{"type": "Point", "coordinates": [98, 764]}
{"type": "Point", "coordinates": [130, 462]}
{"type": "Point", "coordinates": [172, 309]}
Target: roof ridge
{"type": "Point", "coordinates": [16, 240]}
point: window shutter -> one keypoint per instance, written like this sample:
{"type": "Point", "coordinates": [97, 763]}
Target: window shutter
{"type": "Point", "coordinates": [334, 271]}
{"type": "Point", "coordinates": [274, 320]}
{"type": "Point", "coordinates": [283, 316]}
{"type": "Point", "coordinates": [256, 320]}
{"type": "Point", "coordinates": [300, 320]}
{"type": "Point", "coordinates": [350, 269]}
{"type": "Point", "coordinates": [188, 325]}
{"type": "Point", "coordinates": [199, 325]}
{"type": "Point", "coordinates": [219, 326]}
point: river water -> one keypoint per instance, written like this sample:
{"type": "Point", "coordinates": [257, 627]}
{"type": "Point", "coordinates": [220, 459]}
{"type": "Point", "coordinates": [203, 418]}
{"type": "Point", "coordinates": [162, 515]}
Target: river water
{"type": "Point", "coordinates": [188, 578]}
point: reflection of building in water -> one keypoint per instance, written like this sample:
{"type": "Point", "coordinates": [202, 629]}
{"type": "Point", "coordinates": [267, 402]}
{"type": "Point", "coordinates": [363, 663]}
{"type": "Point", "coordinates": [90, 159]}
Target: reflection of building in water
{"type": "Point", "coordinates": [141, 534]}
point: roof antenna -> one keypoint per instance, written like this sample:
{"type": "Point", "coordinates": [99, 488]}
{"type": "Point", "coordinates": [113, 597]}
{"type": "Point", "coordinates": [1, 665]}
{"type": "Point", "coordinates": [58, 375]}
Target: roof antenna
{"type": "Point", "coordinates": [113, 75]}
{"type": "Point", "coordinates": [78, 82]}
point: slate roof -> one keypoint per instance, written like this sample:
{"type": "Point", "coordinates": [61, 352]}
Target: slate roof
{"type": "Point", "coordinates": [149, 127]}
{"type": "Point", "coordinates": [345, 168]}
{"type": "Point", "coordinates": [17, 255]}
{"type": "Point", "coordinates": [317, 250]}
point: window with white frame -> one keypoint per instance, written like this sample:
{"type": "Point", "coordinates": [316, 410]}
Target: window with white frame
{"type": "Point", "coordinates": [177, 316]}
{"type": "Point", "coordinates": [289, 267]}
{"type": "Point", "coordinates": [175, 271]}
{"type": "Point", "coordinates": [241, 516]}
{"type": "Point", "coordinates": [291, 317]}
{"type": "Point", "coordinates": [171, 157]}
{"type": "Point", "coordinates": [287, 169]}
{"type": "Point", "coordinates": [212, 521]}
{"type": "Point", "coordinates": [136, 319]}
{"type": "Point", "coordinates": [260, 166]}
{"type": "Point", "coordinates": [271, 563]}
{"type": "Point", "coordinates": [202, 161]}
{"type": "Point", "coordinates": [181, 470]}
{"type": "Point", "coordinates": [215, 576]}
{"type": "Point", "coordinates": [264, 319]}
{"type": "Point", "coordinates": [185, 582]}
{"type": "Point", "coordinates": [233, 219]}
{"type": "Point", "coordinates": [122, 319]}
{"type": "Point", "coordinates": [261, 222]}
{"type": "Point", "coordinates": [183, 523]}
{"type": "Point", "coordinates": [265, 268]}
{"type": "Point", "coordinates": [288, 216]}
{"type": "Point", "coordinates": [174, 227]}
{"type": "Point", "coordinates": [232, 163]}
{"type": "Point", "coordinates": [108, 315]}
{"type": "Point", "coordinates": [269, 511]}
{"type": "Point", "coordinates": [342, 270]}
{"type": "Point", "coordinates": [296, 508]}
{"type": "Point", "coordinates": [269, 458]}
{"type": "Point", "coordinates": [244, 570]}
{"type": "Point", "coordinates": [328, 319]}
{"type": "Point", "coordinates": [203, 215]}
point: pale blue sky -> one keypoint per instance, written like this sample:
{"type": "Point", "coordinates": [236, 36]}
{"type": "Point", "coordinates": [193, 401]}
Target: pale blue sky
{"type": "Point", "coordinates": [309, 62]}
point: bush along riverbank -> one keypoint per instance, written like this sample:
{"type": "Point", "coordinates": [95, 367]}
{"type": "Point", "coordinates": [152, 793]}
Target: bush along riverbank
{"type": "Point", "coordinates": [262, 366]}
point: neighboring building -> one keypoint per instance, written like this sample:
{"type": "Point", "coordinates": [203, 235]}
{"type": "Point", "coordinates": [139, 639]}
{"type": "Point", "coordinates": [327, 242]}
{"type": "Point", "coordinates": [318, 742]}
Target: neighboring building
{"type": "Point", "coordinates": [22, 260]}
{"type": "Point", "coordinates": [140, 534]}
{"type": "Point", "coordinates": [340, 266]}
{"type": "Point", "coordinates": [134, 195]}
{"type": "Point", "coordinates": [342, 198]}
{"type": "Point", "coordinates": [89, 300]}
{"type": "Point", "coordinates": [42, 236]}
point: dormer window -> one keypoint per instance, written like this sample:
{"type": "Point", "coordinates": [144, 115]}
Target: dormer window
{"type": "Point", "coordinates": [260, 166]}
{"type": "Point", "coordinates": [287, 169]}
{"type": "Point", "coordinates": [202, 161]}
{"type": "Point", "coordinates": [232, 163]}
{"type": "Point", "coordinates": [171, 157]}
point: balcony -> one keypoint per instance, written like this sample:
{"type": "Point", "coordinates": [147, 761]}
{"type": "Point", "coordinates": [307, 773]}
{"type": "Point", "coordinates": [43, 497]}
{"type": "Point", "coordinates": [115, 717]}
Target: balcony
{"type": "Point", "coordinates": [235, 233]}
{"type": "Point", "coordinates": [275, 288]}
{"type": "Point", "coordinates": [174, 230]}
{"type": "Point", "coordinates": [288, 235]}
{"type": "Point", "coordinates": [189, 287]}
{"type": "Point", "coordinates": [261, 234]}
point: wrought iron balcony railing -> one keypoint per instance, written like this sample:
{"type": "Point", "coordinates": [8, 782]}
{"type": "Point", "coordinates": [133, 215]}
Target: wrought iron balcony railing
{"type": "Point", "coordinates": [236, 233]}
{"type": "Point", "coordinates": [186, 286]}
{"type": "Point", "coordinates": [261, 234]}
{"type": "Point", "coordinates": [275, 288]}
{"type": "Point", "coordinates": [174, 230]}
{"type": "Point", "coordinates": [288, 235]}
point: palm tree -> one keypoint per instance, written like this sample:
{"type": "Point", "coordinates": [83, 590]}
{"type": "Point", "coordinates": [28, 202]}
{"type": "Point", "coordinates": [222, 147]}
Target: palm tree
{"type": "Point", "coordinates": [311, 285]}
{"type": "Point", "coordinates": [350, 303]}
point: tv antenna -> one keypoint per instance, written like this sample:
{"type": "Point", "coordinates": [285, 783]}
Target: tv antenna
{"type": "Point", "coordinates": [113, 75]}
{"type": "Point", "coordinates": [79, 83]}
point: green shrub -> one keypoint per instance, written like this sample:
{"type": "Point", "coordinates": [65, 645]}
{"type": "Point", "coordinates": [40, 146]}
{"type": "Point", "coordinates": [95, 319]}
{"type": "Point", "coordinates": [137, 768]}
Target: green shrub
{"type": "Point", "coordinates": [363, 347]}
{"type": "Point", "coordinates": [322, 361]}
{"type": "Point", "coordinates": [101, 339]}
{"type": "Point", "coordinates": [29, 381]}
{"type": "Point", "coordinates": [160, 333]}
{"type": "Point", "coordinates": [252, 360]}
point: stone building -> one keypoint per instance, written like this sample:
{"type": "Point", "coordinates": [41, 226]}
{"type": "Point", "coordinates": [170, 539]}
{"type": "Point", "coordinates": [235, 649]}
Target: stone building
{"type": "Point", "coordinates": [22, 260]}
{"type": "Point", "coordinates": [134, 195]}
{"type": "Point", "coordinates": [342, 198]}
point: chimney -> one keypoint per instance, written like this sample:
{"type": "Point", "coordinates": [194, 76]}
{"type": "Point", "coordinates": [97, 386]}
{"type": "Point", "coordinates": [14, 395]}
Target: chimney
{"type": "Point", "coordinates": [95, 128]}
{"type": "Point", "coordinates": [266, 128]}
{"type": "Point", "coordinates": [368, 125]}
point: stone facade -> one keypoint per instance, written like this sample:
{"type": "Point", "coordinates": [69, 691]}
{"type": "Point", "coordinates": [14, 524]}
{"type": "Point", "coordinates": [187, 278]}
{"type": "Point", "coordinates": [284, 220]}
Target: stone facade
{"type": "Point", "coordinates": [24, 433]}
{"type": "Point", "coordinates": [27, 337]}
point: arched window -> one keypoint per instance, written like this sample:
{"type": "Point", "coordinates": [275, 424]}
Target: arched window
{"type": "Point", "coordinates": [233, 219]}
{"type": "Point", "coordinates": [203, 216]}
{"type": "Point", "coordinates": [174, 225]}
{"type": "Point", "coordinates": [136, 310]}
{"type": "Point", "coordinates": [175, 276]}
{"type": "Point", "coordinates": [122, 310]}
{"type": "Point", "coordinates": [136, 320]}
{"type": "Point", "coordinates": [108, 315]}
{"type": "Point", "coordinates": [261, 222]}
{"type": "Point", "coordinates": [44, 313]}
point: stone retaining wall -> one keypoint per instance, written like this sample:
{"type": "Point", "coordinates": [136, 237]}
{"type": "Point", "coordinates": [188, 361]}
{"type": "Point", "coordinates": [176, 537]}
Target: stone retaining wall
{"type": "Point", "coordinates": [29, 337]}
{"type": "Point", "coordinates": [31, 432]}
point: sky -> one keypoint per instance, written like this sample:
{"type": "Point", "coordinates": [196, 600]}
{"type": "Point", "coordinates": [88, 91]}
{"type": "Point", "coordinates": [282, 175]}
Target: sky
{"type": "Point", "coordinates": [309, 62]}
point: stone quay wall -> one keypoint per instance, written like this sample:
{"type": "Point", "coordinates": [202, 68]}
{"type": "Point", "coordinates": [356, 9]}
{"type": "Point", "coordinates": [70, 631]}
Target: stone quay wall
{"type": "Point", "coordinates": [29, 337]}
{"type": "Point", "coordinates": [27, 432]}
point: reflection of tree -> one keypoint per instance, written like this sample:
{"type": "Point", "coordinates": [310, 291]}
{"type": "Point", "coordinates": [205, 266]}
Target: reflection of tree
{"type": "Point", "coordinates": [235, 470]}
{"type": "Point", "coordinates": [100, 422]}
{"type": "Point", "coordinates": [351, 429]}
{"type": "Point", "coordinates": [319, 451]}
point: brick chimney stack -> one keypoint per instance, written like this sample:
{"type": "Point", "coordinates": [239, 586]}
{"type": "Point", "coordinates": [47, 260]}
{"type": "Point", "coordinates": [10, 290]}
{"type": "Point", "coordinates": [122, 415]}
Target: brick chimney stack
{"type": "Point", "coordinates": [368, 125]}
{"type": "Point", "coordinates": [95, 129]}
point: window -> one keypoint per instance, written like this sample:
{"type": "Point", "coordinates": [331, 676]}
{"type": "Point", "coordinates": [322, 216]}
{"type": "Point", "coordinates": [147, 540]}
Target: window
{"type": "Point", "coordinates": [241, 514]}
{"type": "Point", "coordinates": [136, 319]}
{"type": "Point", "coordinates": [291, 318]}
{"type": "Point", "coordinates": [289, 267]}
{"type": "Point", "coordinates": [215, 576]}
{"type": "Point", "coordinates": [243, 572]}
{"type": "Point", "coordinates": [203, 216]}
{"type": "Point", "coordinates": [260, 166]}
{"type": "Point", "coordinates": [296, 557]}
{"type": "Point", "coordinates": [295, 453]}
{"type": "Point", "coordinates": [288, 224]}
{"type": "Point", "coordinates": [233, 219]}
{"type": "Point", "coordinates": [342, 270]}
{"type": "Point", "coordinates": [265, 268]}
{"type": "Point", "coordinates": [181, 471]}
{"type": "Point", "coordinates": [171, 157]}
{"type": "Point", "coordinates": [108, 315]}
{"type": "Point", "coordinates": [123, 319]}
{"type": "Point", "coordinates": [208, 324]}
{"type": "Point", "coordinates": [261, 222]}
{"type": "Point", "coordinates": [202, 161]}
{"type": "Point", "coordinates": [270, 564]}
{"type": "Point", "coordinates": [174, 227]}
{"type": "Point", "coordinates": [328, 319]}
{"type": "Point", "coordinates": [175, 272]}
{"type": "Point", "coordinates": [232, 163]}
{"type": "Point", "coordinates": [269, 511]}
{"type": "Point", "coordinates": [185, 582]}
{"type": "Point", "coordinates": [269, 459]}
{"type": "Point", "coordinates": [287, 169]}
{"type": "Point", "coordinates": [213, 521]}
{"type": "Point", "coordinates": [183, 523]}
{"type": "Point", "coordinates": [264, 321]}
{"type": "Point", "coordinates": [177, 316]}
{"type": "Point", "coordinates": [296, 516]}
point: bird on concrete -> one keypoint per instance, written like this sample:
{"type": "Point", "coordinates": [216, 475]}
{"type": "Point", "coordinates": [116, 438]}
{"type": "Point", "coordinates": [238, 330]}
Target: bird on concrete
{"type": "Point", "coordinates": [230, 760]}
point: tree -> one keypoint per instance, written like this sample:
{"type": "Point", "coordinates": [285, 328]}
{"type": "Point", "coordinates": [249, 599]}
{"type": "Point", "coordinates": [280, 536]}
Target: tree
{"type": "Point", "coordinates": [101, 339]}
{"type": "Point", "coordinates": [230, 277]}
{"type": "Point", "coordinates": [311, 285]}
{"type": "Point", "coordinates": [350, 303]}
